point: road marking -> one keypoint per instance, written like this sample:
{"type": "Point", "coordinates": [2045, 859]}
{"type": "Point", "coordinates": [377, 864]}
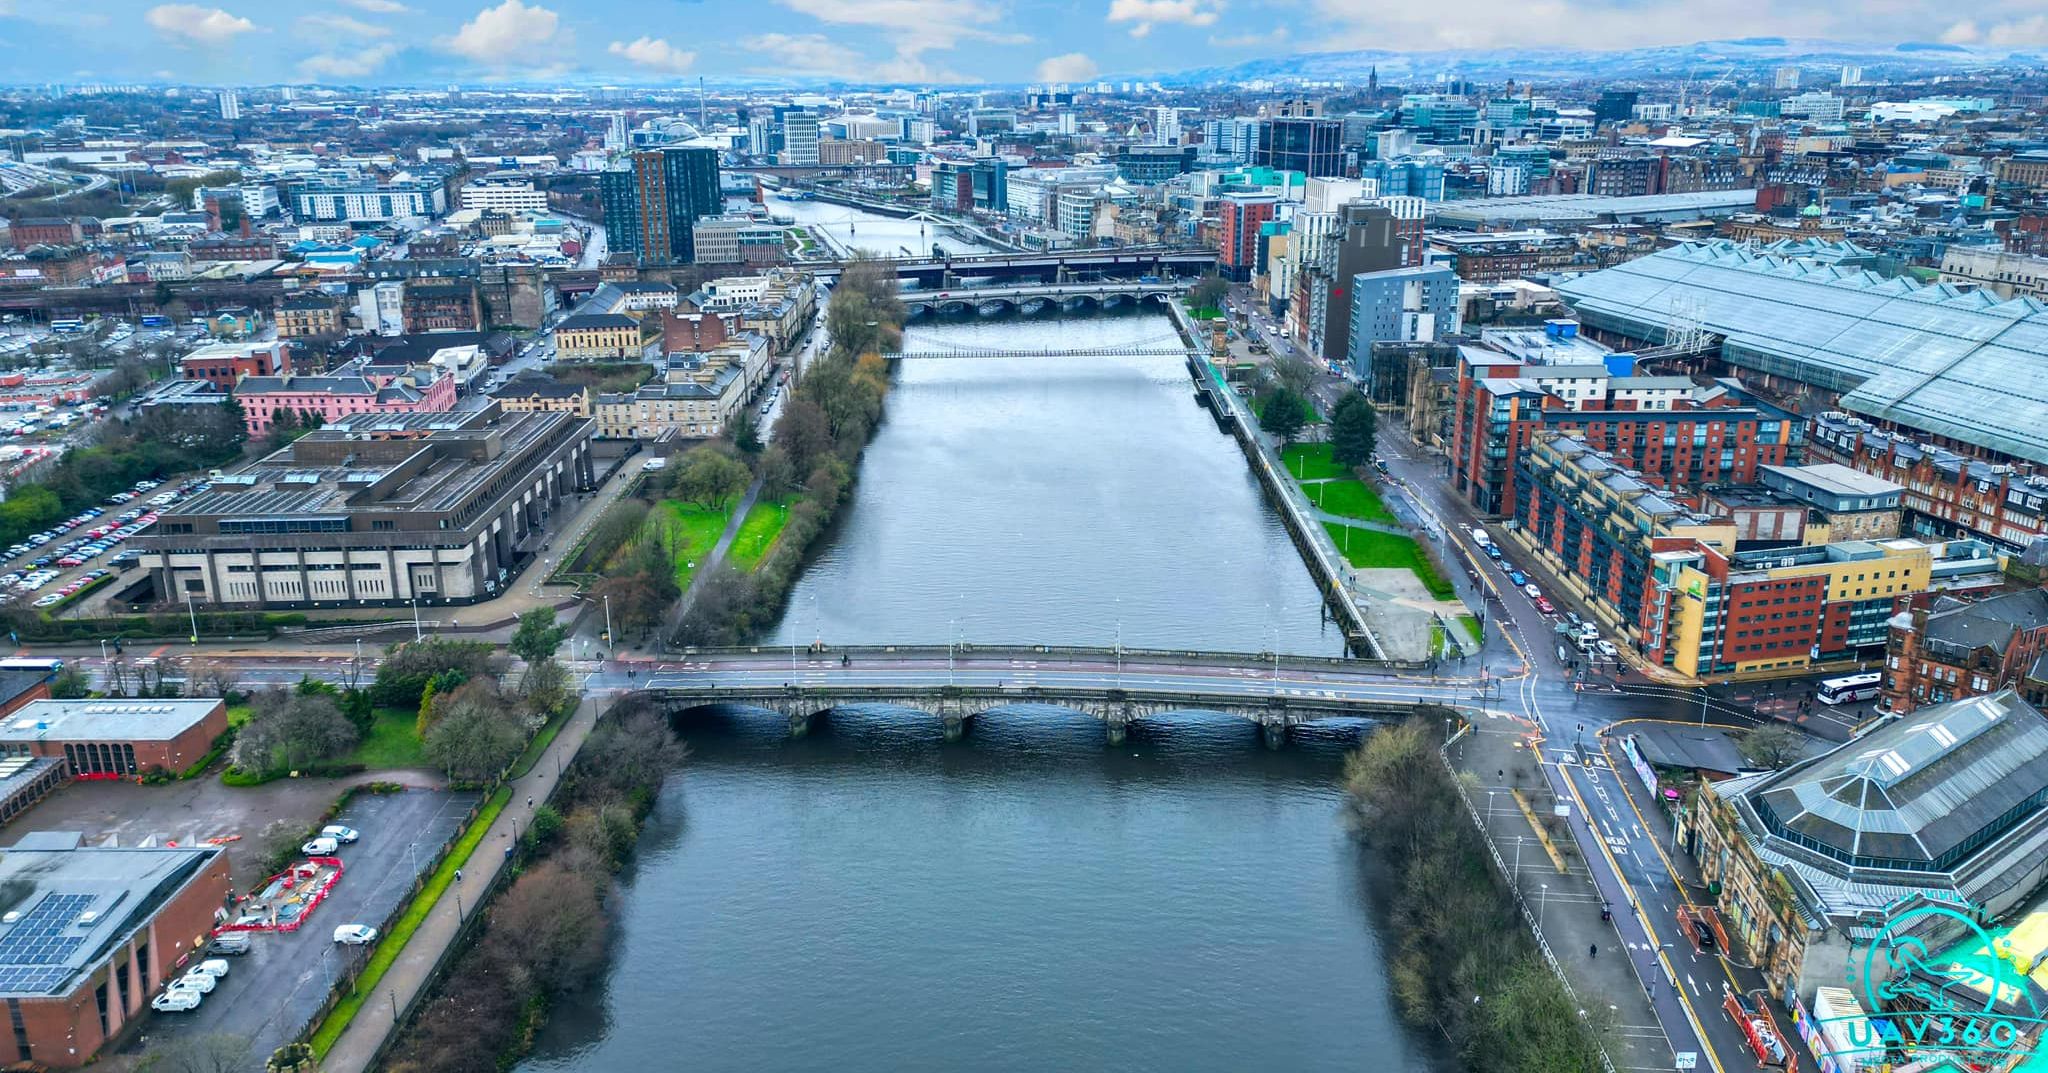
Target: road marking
{"type": "Point", "coordinates": [1689, 982]}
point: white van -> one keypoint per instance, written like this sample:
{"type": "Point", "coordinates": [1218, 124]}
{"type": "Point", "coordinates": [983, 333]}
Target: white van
{"type": "Point", "coordinates": [320, 847]}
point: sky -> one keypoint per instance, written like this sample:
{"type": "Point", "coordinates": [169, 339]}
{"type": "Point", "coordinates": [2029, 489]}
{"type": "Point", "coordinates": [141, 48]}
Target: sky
{"type": "Point", "coordinates": [935, 42]}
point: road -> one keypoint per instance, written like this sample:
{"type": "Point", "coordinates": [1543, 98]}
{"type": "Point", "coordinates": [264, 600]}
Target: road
{"type": "Point", "coordinates": [1517, 675]}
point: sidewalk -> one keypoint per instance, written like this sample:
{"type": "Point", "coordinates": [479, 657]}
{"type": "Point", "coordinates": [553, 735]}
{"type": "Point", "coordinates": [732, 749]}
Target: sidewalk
{"type": "Point", "coordinates": [1567, 904]}
{"type": "Point", "coordinates": [359, 1044]}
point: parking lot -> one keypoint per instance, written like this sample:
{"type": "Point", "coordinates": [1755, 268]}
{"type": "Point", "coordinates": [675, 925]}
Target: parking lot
{"type": "Point", "coordinates": [273, 991]}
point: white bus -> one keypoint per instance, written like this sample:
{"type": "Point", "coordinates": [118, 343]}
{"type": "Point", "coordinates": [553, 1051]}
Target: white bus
{"type": "Point", "coordinates": [25, 663]}
{"type": "Point", "coordinates": [1850, 688]}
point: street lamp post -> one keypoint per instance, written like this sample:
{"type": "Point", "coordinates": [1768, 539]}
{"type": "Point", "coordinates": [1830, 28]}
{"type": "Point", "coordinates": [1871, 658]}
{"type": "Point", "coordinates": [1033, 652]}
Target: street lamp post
{"type": "Point", "coordinates": [952, 636]}
{"type": "Point", "coordinates": [416, 634]}
{"type": "Point", "coordinates": [194, 612]}
{"type": "Point", "coordinates": [611, 640]}
{"type": "Point", "coordinates": [1542, 895]}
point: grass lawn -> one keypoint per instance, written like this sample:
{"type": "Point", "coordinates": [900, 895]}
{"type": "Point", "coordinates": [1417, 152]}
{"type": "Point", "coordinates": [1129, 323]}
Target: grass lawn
{"type": "Point", "coordinates": [700, 528]}
{"type": "Point", "coordinates": [1311, 462]}
{"type": "Point", "coordinates": [1370, 548]}
{"type": "Point", "coordinates": [393, 941]}
{"type": "Point", "coordinates": [239, 714]}
{"type": "Point", "coordinates": [1352, 499]}
{"type": "Point", "coordinates": [392, 741]}
{"type": "Point", "coordinates": [1472, 628]}
{"type": "Point", "coordinates": [758, 532]}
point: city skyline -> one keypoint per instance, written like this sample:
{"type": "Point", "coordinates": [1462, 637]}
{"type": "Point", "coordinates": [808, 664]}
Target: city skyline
{"type": "Point", "coordinates": [920, 42]}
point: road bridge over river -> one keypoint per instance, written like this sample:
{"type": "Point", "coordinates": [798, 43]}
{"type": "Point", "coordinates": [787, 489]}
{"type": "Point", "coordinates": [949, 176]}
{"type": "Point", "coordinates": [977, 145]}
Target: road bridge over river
{"type": "Point", "coordinates": [1118, 686]}
{"type": "Point", "coordinates": [1034, 298]}
{"type": "Point", "coordinates": [1064, 266]}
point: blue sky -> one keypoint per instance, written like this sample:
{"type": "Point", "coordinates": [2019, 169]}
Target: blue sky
{"type": "Point", "coordinates": [896, 41]}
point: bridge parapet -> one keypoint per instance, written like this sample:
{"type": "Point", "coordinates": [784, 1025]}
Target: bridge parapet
{"type": "Point", "coordinates": [958, 705]}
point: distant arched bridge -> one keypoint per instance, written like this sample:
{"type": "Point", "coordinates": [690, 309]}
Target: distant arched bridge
{"type": "Point", "coordinates": [1036, 298]}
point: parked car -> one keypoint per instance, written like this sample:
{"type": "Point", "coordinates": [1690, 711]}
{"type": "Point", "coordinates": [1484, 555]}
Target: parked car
{"type": "Point", "coordinates": [176, 1001]}
{"type": "Point", "coordinates": [202, 982]}
{"type": "Point", "coordinates": [320, 847]}
{"type": "Point", "coordinates": [355, 934]}
{"type": "Point", "coordinates": [213, 967]}
{"type": "Point", "coordinates": [341, 834]}
{"type": "Point", "coordinates": [230, 943]}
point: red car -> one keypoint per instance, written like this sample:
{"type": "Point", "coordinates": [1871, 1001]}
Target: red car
{"type": "Point", "coordinates": [1543, 606]}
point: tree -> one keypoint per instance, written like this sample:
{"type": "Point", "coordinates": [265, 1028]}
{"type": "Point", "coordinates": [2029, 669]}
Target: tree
{"type": "Point", "coordinates": [1771, 745]}
{"type": "Point", "coordinates": [545, 685]}
{"type": "Point", "coordinates": [288, 730]}
{"type": "Point", "coordinates": [538, 635]}
{"type": "Point", "coordinates": [1354, 425]}
{"type": "Point", "coordinates": [409, 667]}
{"type": "Point", "coordinates": [1294, 374]}
{"type": "Point", "coordinates": [709, 478]}
{"type": "Point", "coordinates": [1283, 414]}
{"type": "Point", "coordinates": [211, 678]}
{"type": "Point", "coordinates": [777, 473]}
{"type": "Point", "coordinates": [803, 432]}
{"type": "Point", "coordinates": [475, 735]}
{"type": "Point", "coordinates": [551, 923]}
{"type": "Point", "coordinates": [746, 433]}
{"type": "Point", "coordinates": [70, 683]}
{"type": "Point", "coordinates": [1209, 292]}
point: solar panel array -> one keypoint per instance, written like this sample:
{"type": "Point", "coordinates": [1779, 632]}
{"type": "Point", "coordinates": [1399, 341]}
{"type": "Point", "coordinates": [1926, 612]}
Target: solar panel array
{"type": "Point", "coordinates": [35, 950]}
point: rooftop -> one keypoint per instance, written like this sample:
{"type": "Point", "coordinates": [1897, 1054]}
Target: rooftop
{"type": "Point", "coordinates": [1920, 794]}
{"type": "Point", "coordinates": [1835, 479]}
{"type": "Point", "coordinates": [104, 720]}
{"type": "Point", "coordinates": [1584, 208]}
{"type": "Point", "coordinates": [1938, 358]}
{"type": "Point", "coordinates": [63, 905]}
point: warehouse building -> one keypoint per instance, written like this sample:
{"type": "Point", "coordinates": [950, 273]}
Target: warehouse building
{"type": "Point", "coordinates": [1958, 369]}
{"type": "Point", "coordinates": [375, 510]}
{"type": "Point", "coordinates": [116, 737]}
{"type": "Point", "coordinates": [1948, 804]}
{"type": "Point", "coordinates": [88, 933]}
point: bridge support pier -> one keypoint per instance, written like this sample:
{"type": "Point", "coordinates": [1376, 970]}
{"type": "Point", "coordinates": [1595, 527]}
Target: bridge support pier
{"type": "Point", "coordinates": [956, 726]}
{"type": "Point", "coordinates": [1274, 732]}
{"type": "Point", "coordinates": [799, 725]}
{"type": "Point", "coordinates": [1119, 729]}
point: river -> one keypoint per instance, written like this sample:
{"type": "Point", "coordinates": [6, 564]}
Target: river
{"type": "Point", "coordinates": [883, 236]}
{"type": "Point", "coordinates": [871, 899]}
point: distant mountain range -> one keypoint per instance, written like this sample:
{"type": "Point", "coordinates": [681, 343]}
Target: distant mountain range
{"type": "Point", "coordinates": [1705, 59]}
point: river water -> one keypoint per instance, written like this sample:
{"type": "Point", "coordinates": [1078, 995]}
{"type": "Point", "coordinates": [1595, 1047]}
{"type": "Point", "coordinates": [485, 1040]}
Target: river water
{"type": "Point", "coordinates": [870, 899]}
{"type": "Point", "coordinates": [880, 235]}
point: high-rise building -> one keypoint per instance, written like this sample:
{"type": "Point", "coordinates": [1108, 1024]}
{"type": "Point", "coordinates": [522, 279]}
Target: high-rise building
{"type": "Point", "coordinates": [1242, 214]}
{"type": "Point", "coordinates": [1852, 75]}
{"type": "Point", "coordinates": [980, 185]}
{"type": "Point", "coordinates": [799, 138]}
{"type": "Point", "coordinates": [1068, 124]}
{"type": "Point", "coordinates": [1365, 237]}
{"type": "Point", "coordinates": [1166, 125]}
{"type": "Point", "coordinates": [652, 199]}
{"type": "Point", "coordinates": [1406, 178]}
{"type": "Point", "coordinates": [230, 105]}
{"type": "Point", "coordinates": [1308, 144]}
{"type": "Point", "coordinates": [1615, 106]}
{"type": "Point", "coordinates": [1439, 117]}
{"type": "Point", "coordinates": [1399, 305]}
{"type": "Point", "coordinates": [1231, 139]}
{"type": "Point", "coordinates": [615, 132]}
{"type": "Point", "coordinates": [1786, 78]}
{"type": "Point", "coordinates": [1819, 107]}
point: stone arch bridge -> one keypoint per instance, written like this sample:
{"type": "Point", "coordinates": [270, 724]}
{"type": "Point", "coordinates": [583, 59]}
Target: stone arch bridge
{"type": "Point", "coordinates": [956, 706]}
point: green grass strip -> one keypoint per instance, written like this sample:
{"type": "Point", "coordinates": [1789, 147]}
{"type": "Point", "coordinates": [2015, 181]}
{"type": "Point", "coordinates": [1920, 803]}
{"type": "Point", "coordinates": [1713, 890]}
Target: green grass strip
{"type": "Point", "coordinates": [392, 942]}
{"type": "Point", "coordinates": [1352, 499]}
{"type": "Point", "coordinates": [540, 743]}
{"type": "Point", "coordinates": [758, 532]}
{"type": "Point", "coordinates": [1311, 462]}
{"type": "Point", "coordinates": [1371, 549]}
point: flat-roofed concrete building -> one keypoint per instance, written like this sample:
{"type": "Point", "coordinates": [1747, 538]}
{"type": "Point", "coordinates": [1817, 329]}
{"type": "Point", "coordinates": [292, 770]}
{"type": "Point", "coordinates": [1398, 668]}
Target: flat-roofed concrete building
{"type": "Point", "coordinates": [375, 510]}
{"type": "Point", "coordinates": [116, 737]}
{"type": "Point", "coordinates": [89, 933]}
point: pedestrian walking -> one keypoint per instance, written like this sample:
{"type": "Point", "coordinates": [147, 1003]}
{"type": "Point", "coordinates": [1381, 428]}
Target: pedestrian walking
{"type": "Point", "coordinates": [458, 875]}
{"type": "Point", "coordinates": [1593, 951]}
{"type": "Point", "coordinates": [529, 800]}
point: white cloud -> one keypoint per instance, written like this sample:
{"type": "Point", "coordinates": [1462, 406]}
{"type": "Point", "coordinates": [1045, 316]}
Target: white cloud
{"type": "Point", "coordinates": [1481, 24]}
{"type": "Point", "coordinates": [360, 63]}
{"type": "Point", "coordinates": [915, 27]}
{"type": "Point", "coordinates": [190, 24]}
{"type": "Point", "coordinates": [656, 53]}
{"type": "Point", "coordinates": [1145, 14]}
{"type": "Point", "coordinates": [510, 34]}
{"type": "Point", "coordinates": [1072, 67]}
{"type": "Point", "coordinates": [810, 54]}
{"type": "Point", "coordinates": [1961, 33]}
{"type": "Point", "coordinates": [2019, 33]}
{"type": "Point", "coordinates": [1277, 36]}
{"type": "Point", "coordinates": [324, 26]}
{"type": "Point", "coordinates": [381, 7]}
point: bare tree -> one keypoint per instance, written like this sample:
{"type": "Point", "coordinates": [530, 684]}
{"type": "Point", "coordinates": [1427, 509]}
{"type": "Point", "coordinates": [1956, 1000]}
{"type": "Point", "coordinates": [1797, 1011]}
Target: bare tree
{"type": "Point", "coordinates": [215, 1052]}
{"type": "Point", "coordinates": [210, 678]}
